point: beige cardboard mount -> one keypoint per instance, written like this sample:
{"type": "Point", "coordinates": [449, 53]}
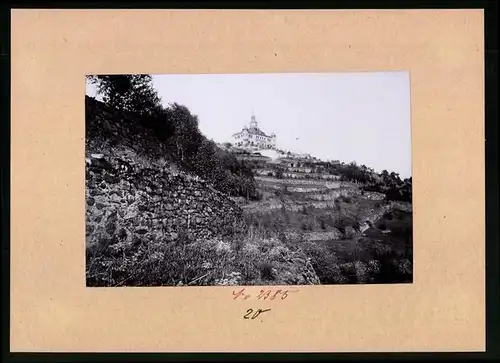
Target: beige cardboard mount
{"type": "Point", "coordinates": [53, 310]}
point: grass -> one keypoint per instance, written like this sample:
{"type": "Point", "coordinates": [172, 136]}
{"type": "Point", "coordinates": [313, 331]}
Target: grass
{"type": "Point", "coordinates": [262, 257]}
{"type": "Point", "coordinates": [266, 270]}
{"type": "Point", "coordinates": [344, 214]}
{"type": "Point", "coordinates": [267, 254]}
{"type": "Point", "coordinates": [375, 257]}
{"type": "Point", "coordinates": [254, 259]}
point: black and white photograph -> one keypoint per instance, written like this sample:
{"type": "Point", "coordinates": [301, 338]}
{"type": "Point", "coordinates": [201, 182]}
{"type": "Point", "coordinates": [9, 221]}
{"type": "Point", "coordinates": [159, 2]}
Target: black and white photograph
{"type": "Point", "coordinates": [248, 179]}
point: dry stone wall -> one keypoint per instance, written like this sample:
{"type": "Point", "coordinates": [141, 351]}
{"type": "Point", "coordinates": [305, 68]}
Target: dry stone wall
{"type": "Point", "coordinates": [129, 204]}
{"type": "Point", "coordinates": [131, 199]}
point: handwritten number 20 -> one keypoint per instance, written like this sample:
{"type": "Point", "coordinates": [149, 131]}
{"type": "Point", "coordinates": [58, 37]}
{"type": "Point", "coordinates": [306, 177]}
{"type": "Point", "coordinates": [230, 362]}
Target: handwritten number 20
{"type": "Point", "coordinates": [256, 314]}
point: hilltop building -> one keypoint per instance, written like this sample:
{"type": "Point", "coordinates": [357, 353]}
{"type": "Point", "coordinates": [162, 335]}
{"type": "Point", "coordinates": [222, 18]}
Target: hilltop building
{"type": "Point", "coordinates": [253, 137]}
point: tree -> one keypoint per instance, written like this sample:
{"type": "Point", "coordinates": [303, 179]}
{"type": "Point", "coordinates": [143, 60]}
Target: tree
{"type": "Point", "coordinates": [113, 88]}
{"type": "Point", "coordinates": [178, 131]}
{"type": "Point", "coordinates": [132, 93]}
{"type": "Point", "coordinates": [205, 162]}
{"type": "Point", "coordinates": [144, 98]}
{"type": "Point", "coordinates": [187, 137]}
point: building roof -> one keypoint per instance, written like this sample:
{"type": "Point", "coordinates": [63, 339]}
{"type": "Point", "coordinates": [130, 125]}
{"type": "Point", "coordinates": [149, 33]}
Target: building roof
{"type": "Point", "coordinates": [253, 131]}
{"type": "Point", "coordinates": [257, 131]}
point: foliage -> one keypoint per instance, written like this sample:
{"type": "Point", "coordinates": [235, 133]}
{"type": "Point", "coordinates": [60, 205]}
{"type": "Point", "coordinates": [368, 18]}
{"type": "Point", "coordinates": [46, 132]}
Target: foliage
{"type": "Point", "coordinates": [390, 184]}
{"type": "Point", "coordinates": [178, 130]}
{"type": "Point", "coordinates": [394, 188]}
{"type": "Point", "coordinates": [254, 260]}
{"type": "Point", "coordinates": [344, 221]}
{"type": "Point", "coordinates": [132, 93]}
{"type": "Point", "coordinates": [266, 270]}
{"type": "Point", "coordinates": [324, 262]}
{"type": "Point", "coordinates": [161, 263]}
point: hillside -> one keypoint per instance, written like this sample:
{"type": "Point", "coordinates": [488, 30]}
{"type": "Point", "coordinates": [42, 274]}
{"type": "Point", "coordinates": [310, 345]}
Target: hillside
{"type": "Point", "coordinates": [166, 206]}
{"type": "Point", "coordinates": [349, 234]}
{"type": "Point", "coordinates": [150, 220]}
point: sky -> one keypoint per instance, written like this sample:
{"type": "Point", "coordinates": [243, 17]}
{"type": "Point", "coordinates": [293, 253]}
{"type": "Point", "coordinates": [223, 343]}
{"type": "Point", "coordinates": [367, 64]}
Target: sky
{"type": "Point", "coordinates": [362, 117]}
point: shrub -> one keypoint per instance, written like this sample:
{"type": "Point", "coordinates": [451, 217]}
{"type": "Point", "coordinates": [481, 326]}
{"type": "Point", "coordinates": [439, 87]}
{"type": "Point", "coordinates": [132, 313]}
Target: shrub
{"type": "Point", "coordinates": [362, 271]}
{"type": "Point", "coordinates": [348, 271]}
{"type": "Point", "coordinates": [266, 270]}
{"type": "Point", "coordinates": [282, 236]}
{"type": "Point", "coordinates": [402, 231]}
{"type": "Point", "coordinates": [154, 264]}
{"type": "Point", "coordinates": [393, 268]}
{"type": "Point", "coordinates": [257, 196]}
{"type": "Point", "coordinates": [343, 221]}
{"type": "Point", "coordinates": [176, 129]}
{"type": "Point", "coordinates": [324, 262]}
{"type": "Point", "coordinates": [238, 245]}
{"type": "Point", "coordinates": [345, 199]}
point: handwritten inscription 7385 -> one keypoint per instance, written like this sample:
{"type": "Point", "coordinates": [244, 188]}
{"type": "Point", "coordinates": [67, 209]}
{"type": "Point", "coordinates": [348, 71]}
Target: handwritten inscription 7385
{"type": "Point", "coordinates": [263, 294]}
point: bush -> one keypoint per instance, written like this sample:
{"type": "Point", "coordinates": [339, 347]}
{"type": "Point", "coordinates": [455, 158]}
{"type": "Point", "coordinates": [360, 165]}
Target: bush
{"type": "Point", "coordinates": [266, 271]}
{"type": "Point", "coordinates": [402, 231]}
{"type": "Point", "coordinates": [337, 207]}
{"type": "Point", "coordinates": [343, 221]}
{"type": "Point", "coordinates": [175, 128]}
{"type": "Point", "coordinates": [394, 268]}
{"type": "Point", "coordinates": [161, 263]}
{"type": "Point", "coordinates": [345, 199]}
{"type": "Point", "coordinates": [324, 262]}
{"type": "Point", "coordinates": [348, 271]}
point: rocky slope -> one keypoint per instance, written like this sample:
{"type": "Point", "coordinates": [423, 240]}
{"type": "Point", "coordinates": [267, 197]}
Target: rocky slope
{"type": "Point", "coordinates": [336, 225]}
{"type": "Point", "coordinates": [132, 204]}
{"type": "Point", "coordinates": [149, 224]}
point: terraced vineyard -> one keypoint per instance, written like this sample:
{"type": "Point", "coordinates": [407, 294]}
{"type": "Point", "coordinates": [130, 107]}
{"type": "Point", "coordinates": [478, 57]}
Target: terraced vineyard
{"type": "Point", "coordinates": [351, 236]}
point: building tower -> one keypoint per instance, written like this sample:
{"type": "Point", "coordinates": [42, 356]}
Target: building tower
{"type": "Point", "coordinates": [253, 122]}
